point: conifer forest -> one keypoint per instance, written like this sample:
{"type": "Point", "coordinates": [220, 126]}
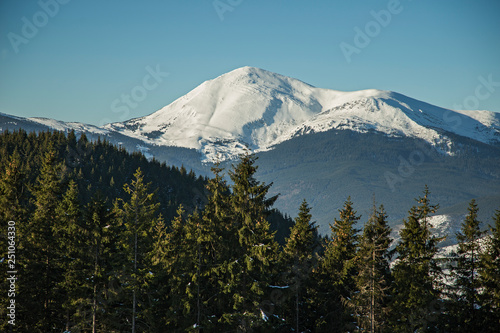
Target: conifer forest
{"type": "Point", "coordinates": [102, 240]}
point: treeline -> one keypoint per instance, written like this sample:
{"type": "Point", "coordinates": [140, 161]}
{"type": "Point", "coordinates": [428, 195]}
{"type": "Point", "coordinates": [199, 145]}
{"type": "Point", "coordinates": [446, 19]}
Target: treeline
{"type": "Point", "coordinates": [116, 262]}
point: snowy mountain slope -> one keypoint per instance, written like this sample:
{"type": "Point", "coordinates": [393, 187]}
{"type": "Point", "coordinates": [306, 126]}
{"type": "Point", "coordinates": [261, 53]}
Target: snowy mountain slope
{"type": "Point", "coordinates": [251, 108]}
{"type": "Point", "coordinates": [397, 115]}
{"type": "Point", "coordinates": [68, 126]}
{"type": "Point", "coordinates": [38, 123]}
{"type": "Point", "coordinates": [256, 109]}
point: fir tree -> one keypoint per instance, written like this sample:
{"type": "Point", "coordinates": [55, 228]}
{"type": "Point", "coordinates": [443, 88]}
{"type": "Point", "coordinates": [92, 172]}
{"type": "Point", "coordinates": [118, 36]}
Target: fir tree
{"type": "Point", "coordinates": [490, 279]}
{"type": "Point", "coordinates": [139, 216]}
{"type": "Point", "coordinates": [298, 258]}
{"type": "Point", "coordinates": [249, 196]}
{"type": "Point", "coordinates": [466, 285]}
{"type": "Point", "coordinates": [69, 215]}
{"type": "Point", "coordinates": [218, 244]}
{"type": "Point", "coordinates": [252, 267]}
{"type": "Point", "coordinates": [416, 295]}
{"type": "Point", "coordinates": [13, 207]}
{"type": "Point", "coordinates": [40, 292]}
{"type": "Point", "coordinates": [13, 189]}
{"type": "Point", "coordinates": [373, 282]}
{"type": "Point", "coordinates": [89, 274]}
{"type": "Point", "coordinates": [170, 263]}
{"type": "Point", "coordinates": [337, 267]}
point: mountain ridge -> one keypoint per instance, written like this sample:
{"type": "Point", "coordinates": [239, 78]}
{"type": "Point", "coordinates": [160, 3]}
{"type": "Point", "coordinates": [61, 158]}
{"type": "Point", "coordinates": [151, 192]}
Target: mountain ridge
{"type": "Point", "coordinates": [251, 108]}
{"type": "Point", "coordinates": [316, 143]}
{"type": "Point", "coordinates": [255, 109]}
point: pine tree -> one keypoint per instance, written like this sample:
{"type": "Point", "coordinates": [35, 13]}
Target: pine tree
{"type": "Point", "coordinates": [335, 272]}
{"type": "Point", "coordinates": [416, 295]}
{"type": "Point", "coordinates": [490, 279]}
{"type": "Point", "coordinates": [298, 258]}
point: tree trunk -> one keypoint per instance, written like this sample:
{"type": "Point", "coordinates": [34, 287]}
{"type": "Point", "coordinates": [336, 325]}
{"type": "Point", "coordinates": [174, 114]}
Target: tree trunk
{"type": "Point", "coordinates": [134, 301]}
{"type": "Point", "coordinates": [198, 290]}
{"type": "Point", "coordinates": [297, 307]}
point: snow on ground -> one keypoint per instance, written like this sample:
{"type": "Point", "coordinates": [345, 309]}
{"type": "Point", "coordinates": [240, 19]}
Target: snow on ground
{"type": "Point", "coordinates": [446, 226]}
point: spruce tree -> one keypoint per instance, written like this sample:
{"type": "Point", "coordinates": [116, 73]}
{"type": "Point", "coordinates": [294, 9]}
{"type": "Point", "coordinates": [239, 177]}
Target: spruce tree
{"type": "Point", "coordinates": [253, 266]}
{"type": "Point", "coordinates": [66, 233]}
{"type": "Point", "coordinates": [138, 216]}
{"type": "Point", "coordinates": [371, 299]}
{"type": "Point", "coordinates": [217, 247]}
{"type": "Point", "coordinates": [335, 273]}
{"type": "Point", "coordinates": [40, 292]}
{"type": "Point", "coordinates": [298, 260]}
{"type": "Point", "coordinates": [13, 207]}
{"type": "Point", "coordinates": [416, 294]}
{"type": "Point", "coordinates": [13, 190]}
{"type": "Point", "coordinates": [490, 279]}
{"type": "Point", "coordinates": [465, 273]}
{"type": "Point", "coordinates": [88, 276]}
{"type": "Point", "coordinates": [249, 196]}
{"type": "Point", "coordinates": [171, 263]}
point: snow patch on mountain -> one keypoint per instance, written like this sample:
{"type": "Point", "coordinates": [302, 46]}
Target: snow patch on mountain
{"type": "Point", "coordinates": [253, 109]}
{"type": "Point", "coordinates": [67, 126]}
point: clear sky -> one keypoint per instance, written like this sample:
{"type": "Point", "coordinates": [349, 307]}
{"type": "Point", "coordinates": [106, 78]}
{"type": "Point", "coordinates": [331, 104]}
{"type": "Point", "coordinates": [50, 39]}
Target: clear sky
{"type": "Point", "coordinates": [72, 59]}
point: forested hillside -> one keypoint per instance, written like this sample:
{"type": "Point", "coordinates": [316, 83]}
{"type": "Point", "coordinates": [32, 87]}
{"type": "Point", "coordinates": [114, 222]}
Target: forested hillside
{"type": "Point", "coordinates": [105, 241]}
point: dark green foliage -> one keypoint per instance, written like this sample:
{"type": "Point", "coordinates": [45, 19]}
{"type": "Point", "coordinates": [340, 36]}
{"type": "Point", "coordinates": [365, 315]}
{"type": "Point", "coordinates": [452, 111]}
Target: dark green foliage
{"type": "Point", "coordinates": [137, 217]}
{"type": "Point", "coordinates": [110, 242]}
{"type": "Point", "coordinates": [40, 290]}
{"type": "Point", "coordinates": [13, 207]}
{"type": "Point", "coordinates": [465, 292]}
{"type": "Point", "coordinates": [248, 194]}
{"type": "Point", "coordinates": [335, 272]}
{"type": "Point", "coordinates": [299, 257]}
{"type": "Point", "coordinates": [416, 293]}
{"type": "Point", "coordinates": [370, 302]}
{"type": "Point", "coordinates": [490, 279]}
{"type": "Point", "coordinates": [252, 266]}
{"type": "Point", "coordinates": [170, 263]}
{"type": "Point", "coordinates": [110, 165]}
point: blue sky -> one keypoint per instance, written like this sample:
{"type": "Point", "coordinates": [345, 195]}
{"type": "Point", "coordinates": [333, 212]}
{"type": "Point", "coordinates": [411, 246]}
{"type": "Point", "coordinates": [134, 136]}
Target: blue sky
{"type": "Point", "coordinates": [72, 59]}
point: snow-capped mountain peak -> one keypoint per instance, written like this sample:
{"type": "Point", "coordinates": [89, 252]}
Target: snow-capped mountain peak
{"type": "Point", "coordinates": [251, 108]}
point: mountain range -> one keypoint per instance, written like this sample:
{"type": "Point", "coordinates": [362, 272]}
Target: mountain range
{"type": "Point", "coordinates": [319, 144]}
